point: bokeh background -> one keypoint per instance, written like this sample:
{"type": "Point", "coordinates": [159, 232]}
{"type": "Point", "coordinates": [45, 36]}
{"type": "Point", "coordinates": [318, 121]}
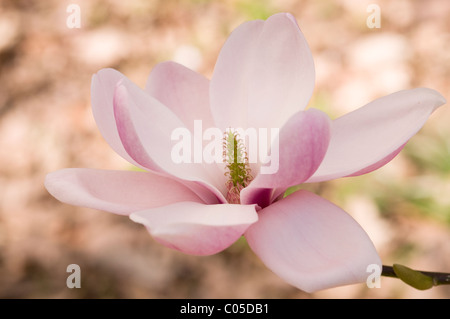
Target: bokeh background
{"type": "Point", "coordinates": [46, 124]}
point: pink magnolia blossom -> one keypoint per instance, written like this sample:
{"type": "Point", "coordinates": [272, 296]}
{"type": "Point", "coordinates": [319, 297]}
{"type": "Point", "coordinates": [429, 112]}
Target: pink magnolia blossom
{"type": "Point", "coordinates": [264, 77]}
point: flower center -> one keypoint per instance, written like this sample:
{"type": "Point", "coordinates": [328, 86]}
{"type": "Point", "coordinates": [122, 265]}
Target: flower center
{"type": "Point", "coordinates": [238, 170]}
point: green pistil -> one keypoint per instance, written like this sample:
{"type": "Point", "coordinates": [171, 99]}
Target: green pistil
{"type": "Point", "coordinates": [237, 165]}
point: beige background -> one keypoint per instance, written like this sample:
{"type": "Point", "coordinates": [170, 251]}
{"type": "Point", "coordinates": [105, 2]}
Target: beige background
{"type": "Point", "coordinates": [46, 124]}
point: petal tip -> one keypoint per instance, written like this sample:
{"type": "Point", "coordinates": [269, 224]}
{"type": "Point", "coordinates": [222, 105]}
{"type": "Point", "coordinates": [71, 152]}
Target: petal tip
{"type": "Point", "coordinates": [56, 182]}
{"type": "Point", "coordinates": [49, 181]}
{"type": "Point", "coordinates": [433, 95]}
{"type": "Point", "coordinates": [284, 15]}
{"type": "Point", "coordinates": [291, 17]}
{"type": "Point", "coordinates": [440, 98]}
{"type": "Point", "coordinates": [51, 178]}
{"type": "Point", "coordinates": [137, 218]}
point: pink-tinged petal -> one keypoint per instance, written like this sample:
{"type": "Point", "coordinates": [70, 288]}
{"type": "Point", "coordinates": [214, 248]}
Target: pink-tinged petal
{"type": "Point", "coordinates": [145, 127]}
{"type": "Point", "coordinates": [186, 94]}
{"type": "Point", "coordinates": [230, 80]}
{"type": "Point", "coordinates": [368, 138]}
{"type": "Point", "coordinates": [303, 142]}
{"type": "Point", "coordinates": [182, 90]}
{"type": "Point", "coordinates": [311, 243]}
{"type": "Point", "coordinates": [282, 74]}
{"type": "Point", "coordinates": [206, 193]}
{"type": "Point", "coordinates": [380, 163]}
{"type": "Point", "coordinates": [119, 192]}
{"type": "Point", "coordinates": [102, 93]}
{"type": "Point", "coordinates": [260, 196]}
{"type": "Point", "coordinates": [197, 229]}
{"type": "Point", "coordinates": [264, 74]}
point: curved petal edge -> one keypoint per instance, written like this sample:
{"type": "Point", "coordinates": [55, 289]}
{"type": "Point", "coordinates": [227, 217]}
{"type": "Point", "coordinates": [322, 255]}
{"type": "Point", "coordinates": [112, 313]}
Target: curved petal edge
{"type": "Point", "coordinates": [311, 243]}
{"type": "Point", "coordinates": [369, 137]}
{"type": "Point", "coordinates": [195, 228]}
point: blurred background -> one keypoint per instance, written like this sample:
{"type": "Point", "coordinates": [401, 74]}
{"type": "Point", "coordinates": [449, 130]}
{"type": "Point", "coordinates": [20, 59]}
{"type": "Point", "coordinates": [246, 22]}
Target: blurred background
{"type": "Point", "coordinates": [46, 124]}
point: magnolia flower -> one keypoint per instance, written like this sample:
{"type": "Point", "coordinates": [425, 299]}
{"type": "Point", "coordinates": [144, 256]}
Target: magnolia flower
{"type": "Point", "coordinates": [263, 78]}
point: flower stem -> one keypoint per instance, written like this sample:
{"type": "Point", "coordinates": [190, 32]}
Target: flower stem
{"type": "Point", "coordinates": [439, 278]}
